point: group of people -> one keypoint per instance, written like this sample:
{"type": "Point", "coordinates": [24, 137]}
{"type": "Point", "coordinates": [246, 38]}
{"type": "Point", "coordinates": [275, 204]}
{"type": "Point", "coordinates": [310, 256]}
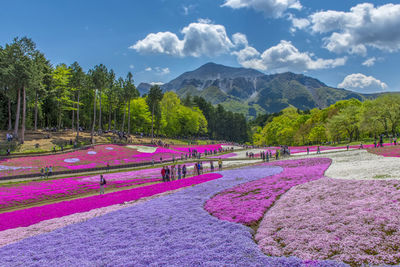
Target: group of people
{"type": "Point", "coordinates": [46, 172]}
{"type": "Point", "coordinates": [9, 137]}
{"type": "Point", "coordinates": [173, 173]}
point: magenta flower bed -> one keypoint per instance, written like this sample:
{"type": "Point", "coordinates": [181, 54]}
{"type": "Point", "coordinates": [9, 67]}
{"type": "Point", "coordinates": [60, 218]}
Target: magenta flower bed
{"type": "Point", "coordinates": [32, 192]}
{"type": "Point", "coordinates": [354, 221]}
{"type": "Point", "coordinates": [386, 151]}
{"type": "Point", "coordinates": [248, 202]}
{"type": "Point", "coordinates": [26, 217]}
{"type": "Point", "coordinates": [98, 156]}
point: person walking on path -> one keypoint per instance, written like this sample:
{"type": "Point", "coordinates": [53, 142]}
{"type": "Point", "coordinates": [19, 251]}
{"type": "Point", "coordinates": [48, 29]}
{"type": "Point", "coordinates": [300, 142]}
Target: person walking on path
{"type": "Point", "coordinates": [46, 171]}
{"type": "Point", "coordinates": [173, 172]}
{"type": "Point", "coordinates": [50, 170]}
{"type": "Point", "coordinates": [212, 166]}
{"type": "Point", "coordinates": [42, 173]}
{"type": "Point", "coordinates": [220, 164]}
{"type": "Point", "coordinates": [348, 146]}
{"type": "Point", "coordinates": [184, 171]}
{"type": "Point", "coordinates": [102, 183]}
{"type": "Point", "coordinates": [308, 150]}
{"type": "Point", "coordinates": [179, 172]}
{"type": "Point", "coordinates": [318, 150]}
{"type": "Point", "coordinates": [163, 174]}
{"type": "Point", "coordinates": [167, 173]}
{"type": "Point", "coordinates": [108, 166]}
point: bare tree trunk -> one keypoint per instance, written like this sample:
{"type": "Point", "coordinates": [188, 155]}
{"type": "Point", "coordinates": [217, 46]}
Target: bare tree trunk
{"type": "Point", "coordinates": [115, 119]}
{"type": "Point", "coordinates": [94, 118]}
{"type": "Point", "coordinates": [59, 115]}
{"type": "Point", "coordinates": [109, 117]}
{"type": "Point", "coordinates": [16, 125]}
{"type": "Point", "coordinates": [129, 116]}
{"type": "Point", "coordinates": [100, 128]}
{"type": "Point", "coordinates": [9, 115]}
{"type": "Point", "coordinates": [73, 118]}
{"type": "Point", "coordinates": [23, 115]}
{"type": "Point", "coordinates": [36, 109]}
{"type": "Point", "coordinates": [152, 121]}
{"type": "Point", "coordinates": [77, 119]}
{"type": "Point", "coordinates": [123, 119]}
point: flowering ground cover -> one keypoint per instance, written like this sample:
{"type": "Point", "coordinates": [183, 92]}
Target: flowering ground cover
{"type": "Point", "coordinates": [173, 230]}
{"type": "Point", "coordinates": [26, 217]}
{"type": "Point", "coordinates": [33, 192]}
{"type": "Point", "coordinates": [224, 156]}
{"type": "Point", "coordinates": [198, 148]}
{"type": "Point", "coordinates": [354, 221]}
{"type": "Point", "coordinates": [386, 151]}
{"type": "Point", "coordinates": [248, 202]}
{"type": "Point", "coordinates": [98, 156]}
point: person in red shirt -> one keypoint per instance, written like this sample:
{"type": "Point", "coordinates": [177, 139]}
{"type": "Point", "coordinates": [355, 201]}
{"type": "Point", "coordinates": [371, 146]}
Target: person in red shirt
{"type": "Point", "coordinates": [163, 174]}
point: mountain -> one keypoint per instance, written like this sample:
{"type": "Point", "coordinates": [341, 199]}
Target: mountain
{"type": "Point", "coordinates": [252, 92]}
{"type": "Point", "coordinates": [143, 88]}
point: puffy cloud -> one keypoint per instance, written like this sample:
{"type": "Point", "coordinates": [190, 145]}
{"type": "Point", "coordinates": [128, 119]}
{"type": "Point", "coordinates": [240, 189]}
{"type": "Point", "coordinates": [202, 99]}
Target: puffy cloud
{"type": "Point", "coordinates": [239, 39]}
{"type": "Point", "coordinates": [199, 38]}
{"type": "Point", "coordinates": [158, 70]}
{"type": "Point", "coordinates": [298, 23]}
{"type": "Point", "coordinates": [364, 26]}
{"type": "Point", "coordinates": [161, 42]}
{"type": "Point", "coordinates": [369, 62]}
{"type": "Point", "coordinates": [270, 8]}
{"type": "Point", "coordinates": [362, 83]}
{"type": "Point", "coordinates": [131, 66]}
{"type": "Point", "coordinates": [284, 57]}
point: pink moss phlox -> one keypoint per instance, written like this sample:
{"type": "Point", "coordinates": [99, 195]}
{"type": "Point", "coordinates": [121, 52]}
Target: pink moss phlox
{"type": "Point", "coordinates": [248, 202]}
{"type": "Point", "coordinates": [26, 217]}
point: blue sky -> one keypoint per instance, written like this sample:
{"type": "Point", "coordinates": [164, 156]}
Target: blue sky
{"type": "Point", "coordinates": [344, 43]}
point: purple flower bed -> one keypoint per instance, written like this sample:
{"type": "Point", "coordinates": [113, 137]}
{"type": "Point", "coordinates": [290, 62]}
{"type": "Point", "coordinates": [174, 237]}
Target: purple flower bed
{"type": "Point", "coordinates": [248, 202]}
{"type": "Point", "coordinates": [173, 230]}
{"type": "Point", "coordinates": [354, 221]}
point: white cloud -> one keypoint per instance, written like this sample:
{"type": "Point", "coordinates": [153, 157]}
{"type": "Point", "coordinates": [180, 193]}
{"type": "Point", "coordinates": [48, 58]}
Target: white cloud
{"type": "Point", "coordinates": [298, 23]}
{"type": "Point", "coordinates": [270, 8]}
{"type": "Point", "coordinates": [161, 42]}
{"type": "Point", "coordinates": [199, 38]}
{"type": "Point", "coordinates": [240, 39]}
{"type": "Point", "coordinates": [364, 26]}
{"type": "Point", "coordinates": [188, 9]}
{"type": "Point", "coordinates": [158, 70]}
{"type": "Point", "coordinates": [369, 62]}
{"type": "Point", "coordinates": [156, 83]}
{"type": "Point", "coordinates": [284, 57]}
{"type": "Point", "coordinates": [131, 66]}
{"type": "Point", "coordinates": [362, 83]}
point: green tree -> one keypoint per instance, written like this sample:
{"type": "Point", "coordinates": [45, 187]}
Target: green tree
{"type": "Point", "coordinates": [153, 101]}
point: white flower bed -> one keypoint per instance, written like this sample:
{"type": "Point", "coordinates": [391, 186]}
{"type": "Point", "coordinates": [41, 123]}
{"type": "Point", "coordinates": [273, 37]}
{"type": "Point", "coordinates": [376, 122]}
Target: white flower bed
{"type": "Point", "coordinates": [143, 149]}
{"type": "Point", "coordinates": [360, 164]}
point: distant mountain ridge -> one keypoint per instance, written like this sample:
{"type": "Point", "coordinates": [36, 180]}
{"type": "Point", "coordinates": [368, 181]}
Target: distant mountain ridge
{"type": "Point", "coordinates": [252, 92]}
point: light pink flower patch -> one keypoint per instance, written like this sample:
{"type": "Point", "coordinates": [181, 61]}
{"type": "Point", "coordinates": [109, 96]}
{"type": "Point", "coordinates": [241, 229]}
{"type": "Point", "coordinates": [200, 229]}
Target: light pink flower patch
{"type": "Point", "coordinates": [354, 221]}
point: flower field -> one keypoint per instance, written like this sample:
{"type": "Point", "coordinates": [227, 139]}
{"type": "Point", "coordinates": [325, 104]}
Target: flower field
{"type": "Point", "coordinates": [98, 156]}
{"type": "Point", "coordinates": [298, 217]}
{"type": "Point", "coordinates": [248, 202]}
{"type": "Point", "coordinates": [386, 151]}
{"type": "Point", "coordinates": [33, 192]}
{"type": "Point", "coordinates": [356, 222]}
{"type": "Point", "coordinates": [184, 234]}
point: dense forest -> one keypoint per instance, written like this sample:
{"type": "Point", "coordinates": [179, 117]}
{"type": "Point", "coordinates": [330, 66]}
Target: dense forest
{"type": "Point", "coordinates": [344, 121]}
{"type": "Point", "coordinates": [34, 95]}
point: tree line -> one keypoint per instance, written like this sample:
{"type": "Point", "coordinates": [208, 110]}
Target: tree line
{"type": "Point", "coordinates": [345, 121]}
{"type": "Point", "coordinates": [35, 94]}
